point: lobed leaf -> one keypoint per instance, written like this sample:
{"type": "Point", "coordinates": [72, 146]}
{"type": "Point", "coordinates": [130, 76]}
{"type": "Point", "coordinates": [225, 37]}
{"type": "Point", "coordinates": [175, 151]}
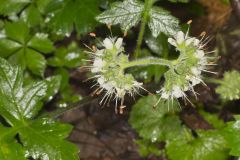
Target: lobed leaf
{"type": "Point", "coordinates": [19, 106]}
{"type": "Point", "coordinates": [162, 21]}
{"type": "Point", "coordinates": [209, 145]}
{"type": "Point", "coordinates": [229, 88]}
{"type": "Point", "coordinates": [129, 12]}
{"type": "Point", "coordinates": [69, 13]}
{"type": "Point", "coordinates": [9, 148]}
{"type": "Point", "coordinates": [126, 13]}
{"type": "Point", "coordinates": [155, 124]}
{"type": "Point", "coordinates": [20, 47]}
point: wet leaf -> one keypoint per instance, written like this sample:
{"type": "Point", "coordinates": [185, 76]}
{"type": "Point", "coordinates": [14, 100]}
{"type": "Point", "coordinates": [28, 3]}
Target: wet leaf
{"type": "Point", "coordinates": [36, 62]}
{"type": "Point", "coordinates": [147, 147]}
{"type": "Point", "coordinates": [19, 106]}
{"type": "Point", "coordinates": [162, 21]}
{"type": "Point", "coordinates": [209, 145]}
{"type": "Point", "coordinates": [70, 57]}
{"type": "Point", "coordinates": [155, 124]}
{"type": "Point", "coordinates": [231, 133]}
{"type": "Point", "coordinates": [9, 148]}
{"type": "Point", "coordinates": [129, 12]}
{"type": "Point", "coordinates": [53, 83]}
{"type": "Point", "coordinates": [158, 45]}
{"type": "Point", "coordinates": [43, 139]}
{"type": "Point", "coordinates": [126, 13]}
{"type": "Point", "coordinates": [10, 6]}
{"type": "Point", "coordinates": [69, 13]}
{"type": "Point", "coordinates": [20, 47]}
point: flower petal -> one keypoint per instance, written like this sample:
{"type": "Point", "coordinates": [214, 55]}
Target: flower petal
{"type": "Point", "coordinates": [172, 42]}
{"type": "Point", "coordinates": [108, 43]}
{"type": "Point", "coordinates": [180, 37]}
{"type": "Point", "coordinates": [118, 43]}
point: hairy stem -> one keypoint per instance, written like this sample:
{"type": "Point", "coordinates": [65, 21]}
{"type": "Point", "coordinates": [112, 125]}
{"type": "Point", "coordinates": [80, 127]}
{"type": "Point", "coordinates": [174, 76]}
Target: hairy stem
{"type": "Point", "coordinates": [146, 62]}
{"type": "Point", "coordinates": [147, 7]}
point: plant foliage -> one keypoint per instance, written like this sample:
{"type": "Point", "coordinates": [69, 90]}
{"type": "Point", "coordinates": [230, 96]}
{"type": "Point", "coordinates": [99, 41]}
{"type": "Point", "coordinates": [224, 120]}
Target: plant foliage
{"type": "Point", "coordinates": [26, 135]}
{"type": "Point", "coordinates": [129, 12]}
{"type": "Point", "coordinates": [229, 88]}
{"type": "Point", "coordinates": [25, 49]}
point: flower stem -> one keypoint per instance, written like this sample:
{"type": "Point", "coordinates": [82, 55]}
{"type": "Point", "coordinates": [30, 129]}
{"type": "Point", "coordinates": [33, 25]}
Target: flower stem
{"type": "Point", "coordinates": [147, 7]}
{"type": "Point", "coordinates": [146, 62]}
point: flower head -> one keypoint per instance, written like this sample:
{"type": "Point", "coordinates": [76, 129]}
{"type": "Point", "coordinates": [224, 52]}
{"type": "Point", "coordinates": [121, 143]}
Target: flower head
{"type": "Point", "coordinates": [187, 69]}
{"type": "Point", "coordinates": [110, 77]}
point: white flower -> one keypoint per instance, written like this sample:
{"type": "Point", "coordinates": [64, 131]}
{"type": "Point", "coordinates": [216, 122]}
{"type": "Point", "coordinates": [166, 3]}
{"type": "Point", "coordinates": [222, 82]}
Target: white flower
{"type": "Point", "coordinates": [181, 39]}
{"type": "Point", "coordinates": [177, 92]}
{"type": "Point", "coordinates": [118, 43]}
{"type": "Point", "coordinates": [164, 94]}
{"type": "Point", "coordinates": [196, 71]}
{"type": "Point", "coordinates": [111, 79]}
{"type": "Point", "coordinates": [187, 72]}
{"type": "Point", "coordinates": [97, 65]}
{"type": "Point", "coordinates": [109, 43]}
{"type": "Point", "coordinates": [101, 80]}
{"type": "Point", "coordinates": [200, 54]}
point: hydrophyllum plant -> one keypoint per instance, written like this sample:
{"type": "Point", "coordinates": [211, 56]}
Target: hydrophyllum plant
{"type": "Point", "coordinates": [109, 65]}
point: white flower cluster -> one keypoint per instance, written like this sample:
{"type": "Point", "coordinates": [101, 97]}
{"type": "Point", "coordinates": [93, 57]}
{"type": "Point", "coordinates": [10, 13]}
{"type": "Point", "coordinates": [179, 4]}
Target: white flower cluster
{"type": "Point", "coordinates": [188, 69]}
{"type": "Point", "coordinates": [110, 77]}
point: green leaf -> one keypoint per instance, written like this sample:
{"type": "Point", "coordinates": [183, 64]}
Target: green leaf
{"type": "Point", "coordinates": [158, 45]}
{"type": "Point", "coordinates": [231, 134]}
{"type": "Point", "coordinates": [70, 57]}
{"type": "Point", "coordinates": [155, 124]}
{"type": "Point", "coordinates": [20, 47]}
{"type": "Point", "coordinates": [54, 84]}
{"type": "Point", "coordinates": [67, 93]}
{"type": "Point", "coordinates": [213, 119]}
{"type": "Point", "coordinates": [34, 12]}
{"type": "Point", "coordinates": [30, 100]}
{"type": "Point", "coordinates": [69, 13]}
{"type": "Point", "coordinates": [145, 148]}
{"type": "Point", "coordinates": [18, 101]}
{"type": "Point", "coordinates": [43, 139]}
{"type": "Point", "coordinates": [126, 13]}
{"type": "Point", "coordinates": [32, 15]}
{"type": "Point", "coordinates": [18, 58]}
{"type": "Point", "coordinates": [36, 62]}
{"type": "Point", "coordinates": [9, 148]}
{"type": "Point", "coordinates": [209, 145]}
{"type": "Point", "coordinates": [41, 43]}
{"type": "Point", "coordinates": [19, 106]}
{"type": "Point", "coordinates": [8, 47]}
{"type": "Point", "coordinates": [10, 6]}
{"type": "Point", "coordinates": [162, 21]}
{"type": "Point", "coordinates": [229, 88]}
{"type": "Point", "coordinates": [129, 12]}
{"type": "Point", "coordinates": [17, 31]}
